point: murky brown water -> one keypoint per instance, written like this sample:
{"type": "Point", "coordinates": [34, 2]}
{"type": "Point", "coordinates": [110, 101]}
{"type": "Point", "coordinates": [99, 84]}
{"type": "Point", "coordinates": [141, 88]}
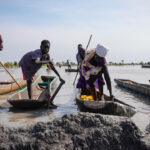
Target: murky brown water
{"type": "Point", "coordinates": [65, 99]}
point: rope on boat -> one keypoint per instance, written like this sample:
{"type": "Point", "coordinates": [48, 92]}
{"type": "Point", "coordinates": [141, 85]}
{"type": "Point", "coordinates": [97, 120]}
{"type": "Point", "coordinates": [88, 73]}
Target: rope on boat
{"type": "Point", "coordinates": [51, 84]}
{"type": "Point", "coordinates": [32, 84]}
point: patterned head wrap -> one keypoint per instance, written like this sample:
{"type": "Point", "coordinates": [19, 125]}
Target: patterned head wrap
{"type": "Point", "coordinates": [101, 50]}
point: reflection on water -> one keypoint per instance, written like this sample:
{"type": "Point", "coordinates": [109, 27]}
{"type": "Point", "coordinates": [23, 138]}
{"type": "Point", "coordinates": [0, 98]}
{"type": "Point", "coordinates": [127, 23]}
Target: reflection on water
{"type": "Point", "coordinates": [65, 100]}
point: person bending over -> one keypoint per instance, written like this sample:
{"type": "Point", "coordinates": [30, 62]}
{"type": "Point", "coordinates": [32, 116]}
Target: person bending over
{"type": "Point", "coordinates": [32, 61]}
{"type": "Point", "coordinates": [93, 67]}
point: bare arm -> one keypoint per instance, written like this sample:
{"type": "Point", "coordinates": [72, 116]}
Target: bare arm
{"type": "Point", "coordinates": [88, 58]}
{"type": "Point", "coordinates": [107, 79]}
{"type": "Point", "coordinates": [56, 72]}
{"type": "Point", "coordinates": [39, 61]}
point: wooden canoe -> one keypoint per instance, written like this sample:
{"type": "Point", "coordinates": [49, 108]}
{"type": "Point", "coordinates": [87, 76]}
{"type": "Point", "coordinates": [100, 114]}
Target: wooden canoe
{"type": "Point", "coordinates": [139, 88]}
{"type": "Point", "coordinates": [6, 82]}
{"type": "Point", "coordinates": [71, 70]}
{"type": "Point", "coordinates": [7, 87]}
{"type": "Point", "coordinates": [145, 66]}
{"type": "Point", "coordinates": [107, 107]}
{"type": "Point", "coordinates": [20, 99]}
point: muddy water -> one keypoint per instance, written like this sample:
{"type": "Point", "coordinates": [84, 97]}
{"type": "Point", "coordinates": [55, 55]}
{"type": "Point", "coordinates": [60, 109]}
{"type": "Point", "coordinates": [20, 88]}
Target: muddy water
{"type": "Point", "coordinates": [65, 99]}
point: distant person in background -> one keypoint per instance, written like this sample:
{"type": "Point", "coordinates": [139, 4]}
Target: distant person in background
{"type": "Point", "coordinates": [32, 61]}
{"type": "Point", "coordinates": [1, 43]}
{"type": "Point", "coordinates": [59, 65]}
{"type": "Point", "coordinates": [68, 64]}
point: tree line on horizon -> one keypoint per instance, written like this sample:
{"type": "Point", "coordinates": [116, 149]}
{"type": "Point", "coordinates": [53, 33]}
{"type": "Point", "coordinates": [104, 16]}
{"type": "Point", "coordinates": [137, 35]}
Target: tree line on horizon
{"type": "Point", "coordinates": [63, 63]}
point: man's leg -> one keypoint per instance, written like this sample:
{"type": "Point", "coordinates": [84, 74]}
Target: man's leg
{"type": "Point", "coordinates": [29, 88]}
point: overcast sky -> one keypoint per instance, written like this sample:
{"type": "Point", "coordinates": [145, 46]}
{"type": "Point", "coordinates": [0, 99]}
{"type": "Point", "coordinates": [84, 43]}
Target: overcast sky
{"type": "Point", "coordinates": [121, 25]}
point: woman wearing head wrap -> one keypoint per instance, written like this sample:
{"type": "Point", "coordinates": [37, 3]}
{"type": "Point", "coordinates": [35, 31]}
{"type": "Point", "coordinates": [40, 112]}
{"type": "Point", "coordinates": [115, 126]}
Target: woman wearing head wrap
{"type": "Point", "coordinates": [93, 66]}
{"type": "Point", "coordinates": [1, 43]}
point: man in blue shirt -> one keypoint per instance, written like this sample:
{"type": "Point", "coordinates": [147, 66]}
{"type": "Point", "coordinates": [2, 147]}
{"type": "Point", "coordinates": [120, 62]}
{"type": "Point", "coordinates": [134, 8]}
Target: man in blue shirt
{"type": "Point", "coordinates": [32, 61]}
{"type": "Point", "coordinates": [68, 64]}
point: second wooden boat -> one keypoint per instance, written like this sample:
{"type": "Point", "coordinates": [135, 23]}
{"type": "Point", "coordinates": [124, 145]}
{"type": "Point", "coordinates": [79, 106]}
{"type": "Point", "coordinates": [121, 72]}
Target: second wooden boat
{"type": "Point", "coordinates": [71, 70]}
{"type": "Point", "coordinates": [134, 86]}
{"type": "Point", "coordinates": [8, 86]}
{"type": "Point", "coordinates": [108, 106]}
{"type": "Point", "coordinates": [6, 82]}
{"type": "Point", "coordinates": [145, 66]}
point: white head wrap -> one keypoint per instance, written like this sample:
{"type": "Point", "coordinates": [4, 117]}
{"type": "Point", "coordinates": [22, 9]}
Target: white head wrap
{"type": "Point", "coordinates": [101, 50]}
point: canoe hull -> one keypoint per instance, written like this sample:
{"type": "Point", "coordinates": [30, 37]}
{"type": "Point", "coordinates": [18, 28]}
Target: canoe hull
{"type": "Point", "coordinates": [145, 66]}
{"type": "Point", "coordinates": [20, 99]}
{"type": "Point", "coordinates": [71, 70]}
{"type": "Point", "coordinates": [143, 89]}
{"type": "Point", "coordinates": [27, 104]}
{"type": "Point", "coordinates": [12, 87]}
{"type": "Point", "coordinates": [6, 83]}
{"type": "Point", "coordinates": [105, 107]}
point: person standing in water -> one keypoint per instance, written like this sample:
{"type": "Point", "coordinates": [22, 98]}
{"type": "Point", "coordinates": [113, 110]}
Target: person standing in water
{"type": "Point", "coordinates": [80, 55]}
{"type": "Point", "coordinates": [93, 67]}
{"type": "Point", "coordinates": [1, 43]}
{"type": "Point", "coordinates": [32, 61]}
{"type": "Point", "coordinates": [68, 64]}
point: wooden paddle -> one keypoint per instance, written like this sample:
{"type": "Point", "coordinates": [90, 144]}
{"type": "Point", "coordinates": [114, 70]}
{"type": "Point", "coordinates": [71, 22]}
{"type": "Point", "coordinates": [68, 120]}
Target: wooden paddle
{"type": "Point", "coordinates": [10, 75]}
{"type": "Point", "coordinates": [88, 43]}
{"type": "Point", "coordinates": [85, 54]}
{"type": "Point", "coordinates": [107, 98]}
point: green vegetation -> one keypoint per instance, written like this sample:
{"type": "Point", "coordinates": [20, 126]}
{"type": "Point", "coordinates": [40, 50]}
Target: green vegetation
{"type": "Point", "coordinates": [121, 63]}
{"type": "Point", "coordinates": [11, 64]}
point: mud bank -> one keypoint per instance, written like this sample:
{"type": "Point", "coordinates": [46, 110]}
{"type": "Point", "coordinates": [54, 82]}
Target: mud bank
{"type": "Point", "coordinates": [148, 127]}
{"type": "Point", "coordinates": [84, 131]}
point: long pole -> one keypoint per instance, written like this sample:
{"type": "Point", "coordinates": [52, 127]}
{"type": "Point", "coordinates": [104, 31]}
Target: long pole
{"type": "Point", "coordinates": [85, 53]}
{"type": "Point", "coordinates": [10, 75]}
{"type": "Point", "coordinates": [88, 43]}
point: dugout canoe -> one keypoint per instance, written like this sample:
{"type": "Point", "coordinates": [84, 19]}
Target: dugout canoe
{"type": "Point", "coordinates": [145, 66]}
{"type": "Point", "coordinates": [71, 70]}
{"type": "Point", "coordinates": [9, 86]}
{"type": "Point", "coordinates": [20, 99]}
{"type": "Point", "coordinates": [108, 107]}
{"type": "Point", "coordinates": [139, 88]}
{"type": "Point", "coordinates": [6, 82]}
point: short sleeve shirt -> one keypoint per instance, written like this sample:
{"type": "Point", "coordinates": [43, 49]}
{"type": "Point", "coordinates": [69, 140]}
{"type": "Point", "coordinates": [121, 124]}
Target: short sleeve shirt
{"type": "Point", "coordinates": [28, 62]}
